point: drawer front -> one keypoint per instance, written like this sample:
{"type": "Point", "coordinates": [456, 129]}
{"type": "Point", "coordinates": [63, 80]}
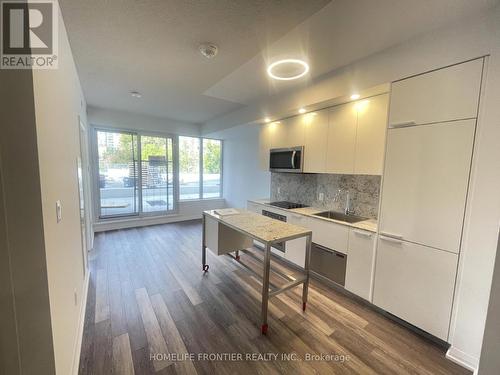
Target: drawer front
{"type": "Point", "coordinates": [328, 263]}
{"type": "Point", "coordinates": [328, 234]}
{"type": "Point", "coordinates": [442, 95]}
{"type": "Point", "coordinates": [360, 263]}
{"type": "Point", "coordinates": [416, 284]}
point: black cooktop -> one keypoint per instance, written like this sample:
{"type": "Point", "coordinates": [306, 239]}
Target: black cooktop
{"type": "Point", "coordinates": [288, 205]}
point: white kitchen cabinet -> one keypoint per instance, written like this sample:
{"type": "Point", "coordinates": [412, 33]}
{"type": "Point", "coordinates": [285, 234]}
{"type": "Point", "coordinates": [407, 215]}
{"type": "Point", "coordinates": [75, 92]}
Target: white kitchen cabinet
{"type": "Point", "coordinates": [415, 283]}
{"type": "Point", "coordinates": [315, 140]}
{"type": "Point", "coordinates": [425, 183]}
{"type": "Point", "coordinates": [294, 131]}
{"type": "Point", "coordinates": [328, 234]}
{"type": "Point", "coordinates": [265, 144]}
{"type": "Point", "coordinates": [286, 133]}
{"type": "Point", "coordinates": [279, 136]}
{"type": "Point", "coordinates": [370, 135]}
{"type": "Point", "coordinates": [342, 123]}
{"type": "Point", "coordinates": [360, 262]}
{"type": "Point", "coordinates": [446, 94]}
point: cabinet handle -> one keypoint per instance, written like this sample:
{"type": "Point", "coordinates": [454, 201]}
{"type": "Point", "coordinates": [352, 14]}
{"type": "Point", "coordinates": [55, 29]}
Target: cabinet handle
{"type": "Point", "coordinates": [325, 249]}
{"type": "Point", "coordinates": [403, 124]}
{"type": "Point", "coordinates": [293, 159]}
{"type": "Point", "coordinates": [396, 236]}
{"type": "Point", "coordinates": [361, 233]}
{"type": "Point", "coordinates": [389, 239]}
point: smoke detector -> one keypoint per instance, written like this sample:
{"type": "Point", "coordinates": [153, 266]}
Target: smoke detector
{"type": "Point", "coordinates": [209, 50]}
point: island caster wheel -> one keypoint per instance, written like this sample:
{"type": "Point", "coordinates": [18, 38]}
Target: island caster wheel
{"type": "Point", "coordinates": [205, 268]}
{"type": "Point", "coordinates": [303, 306]}
{"type": "Point", "coordinates": [263, 329]}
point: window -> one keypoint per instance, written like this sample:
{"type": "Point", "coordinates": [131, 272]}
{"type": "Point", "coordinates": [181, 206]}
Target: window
{"type": "Point", "coordinates": [127, 186]}
{"type": "Point", "coordinates": [189, 168]}
{"type": "Point", "coordinates": [140, 174]}
{"type": "Point", "coordinates": [117, 153]}
{"type": "Point", "coordinates": [212, 168]}
{"type": "Point", "coordinates": [200, 180]}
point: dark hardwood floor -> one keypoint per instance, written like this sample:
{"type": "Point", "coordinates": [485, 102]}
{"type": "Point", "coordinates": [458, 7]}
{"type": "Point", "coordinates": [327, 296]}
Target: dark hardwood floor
{"type": "Point", "coordinates": [149, 296]}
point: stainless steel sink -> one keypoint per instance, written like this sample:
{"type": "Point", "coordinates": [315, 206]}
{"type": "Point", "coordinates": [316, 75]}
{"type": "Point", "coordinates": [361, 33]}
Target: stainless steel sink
{"type": "Point", "coordinates": [340, 216]}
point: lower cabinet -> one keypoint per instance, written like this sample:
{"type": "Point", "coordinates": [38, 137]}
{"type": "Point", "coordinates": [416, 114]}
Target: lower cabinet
{"type": "Point", "coordinates": [415, 283]}
{"type": "Point", "coordinates": [328, 234]}
{"type": "Point", "coordinates": [360, 262]}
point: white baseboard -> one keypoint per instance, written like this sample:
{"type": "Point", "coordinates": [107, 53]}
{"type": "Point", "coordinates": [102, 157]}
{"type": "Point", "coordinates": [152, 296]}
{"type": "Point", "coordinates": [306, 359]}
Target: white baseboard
{"type": "Point", "coordinates": [463, 359]}
{"type": "Point", "coordinates": [142, 222]}
{"type": "Point", "coordinates": [81, 322]}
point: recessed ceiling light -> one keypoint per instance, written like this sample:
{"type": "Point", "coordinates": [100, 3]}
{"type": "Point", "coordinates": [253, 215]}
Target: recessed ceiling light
{"type": "Point", "coordinates": [136, 94]}
{"type": "Point", "coordinates": [267, 119]}
{"type": "Point", "coordinates": [302, 110]}
{"type": "Point", "coordinates": [355, 96]}
{"type": "Point", "coordinates": [288, 69]}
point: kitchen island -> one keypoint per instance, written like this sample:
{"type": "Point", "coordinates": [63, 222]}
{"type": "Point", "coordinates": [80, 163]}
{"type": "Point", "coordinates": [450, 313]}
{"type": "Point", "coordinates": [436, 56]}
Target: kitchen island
{"type": "Point", "coordinates": [230, 230]}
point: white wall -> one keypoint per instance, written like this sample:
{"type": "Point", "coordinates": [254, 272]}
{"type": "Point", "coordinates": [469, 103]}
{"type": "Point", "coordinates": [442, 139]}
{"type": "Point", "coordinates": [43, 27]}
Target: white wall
{"type": "Point", "coordinates": [58, 104]}
{"type": "Point", "coordinates": [242, 178]}
{"type": "Point", "coordinates": [125, 120]}
{"type": "Point", "coordinates": [468, 39]}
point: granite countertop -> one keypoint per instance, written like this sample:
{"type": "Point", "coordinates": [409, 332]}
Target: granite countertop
{"type": "Point", "coordinates": [369, 225]}
{"type": "Point", "coordinates": [260, 227]}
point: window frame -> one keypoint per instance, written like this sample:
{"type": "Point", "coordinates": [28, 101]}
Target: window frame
{"type": "Point", "coordinates": [221, 167]}
{"type": "Point", "coordinates": [95, 174]}
{"type": "Point", "coordinates": [200, 173]}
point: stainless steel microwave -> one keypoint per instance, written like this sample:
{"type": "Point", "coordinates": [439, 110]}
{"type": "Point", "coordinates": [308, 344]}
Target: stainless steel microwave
{"type": "Point", "coordinates": [286, 159]}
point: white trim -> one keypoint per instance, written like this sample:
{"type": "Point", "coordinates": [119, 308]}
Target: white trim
{"type": "Point", "coordinates": [205, 204]}
{"type": "Point", "coordinates": [463, 359]}
{"type": "Point", "coordinates": [81, 322]}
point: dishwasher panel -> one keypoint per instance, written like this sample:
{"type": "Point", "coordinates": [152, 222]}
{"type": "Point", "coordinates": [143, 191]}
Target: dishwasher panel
{"type": "Point", "coordinates": [328, 263]}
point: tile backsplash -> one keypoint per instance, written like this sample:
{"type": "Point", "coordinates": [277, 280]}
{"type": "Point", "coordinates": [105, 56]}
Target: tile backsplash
{"type": "Point", "coordinates": [363, 190]}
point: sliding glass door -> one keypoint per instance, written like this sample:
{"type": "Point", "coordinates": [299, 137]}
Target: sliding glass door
{"type": "Point", "coordinates": [129, 185]}
{"type": "Point", "coordinates": [117, 153]}
{"type": "Point", "coordinates": [157, 185]}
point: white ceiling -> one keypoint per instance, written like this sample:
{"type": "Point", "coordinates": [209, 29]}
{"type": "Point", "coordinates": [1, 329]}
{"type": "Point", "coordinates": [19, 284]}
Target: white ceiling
{"type": "Point", "coordinates": [342, 32]}
{"type": "Point", "coordinates": [151, 46]}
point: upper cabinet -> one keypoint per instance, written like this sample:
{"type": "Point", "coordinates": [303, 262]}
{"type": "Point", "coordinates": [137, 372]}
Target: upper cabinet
{"type": "Point", "coordinates": [345, 139]}
{"type": "Point", "coordinates": [315, 140]}
{"type": "Point", "coordinates": [370, 135]}
{"type": "Point", "coordinates": [439, 96]}
{"type": "Point", "coordinates": [356, 136]}
{"type": "Point", "coordinates": [341, 139]}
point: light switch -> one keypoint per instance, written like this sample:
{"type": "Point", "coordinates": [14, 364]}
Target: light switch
{"type": "Point", "coordinates": [58, 211]}
{"type": "Point", "coordinates": [321, 197]}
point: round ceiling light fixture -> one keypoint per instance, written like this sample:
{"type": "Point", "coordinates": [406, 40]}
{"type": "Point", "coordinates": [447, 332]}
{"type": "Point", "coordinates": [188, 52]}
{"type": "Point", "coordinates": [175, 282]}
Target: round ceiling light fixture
{"type": "Point", "coordinates": [209, 50]}
{"type": "Point", "coordinates": [136, 94]}
{"type": "Point", "coordinates": [288, 69]}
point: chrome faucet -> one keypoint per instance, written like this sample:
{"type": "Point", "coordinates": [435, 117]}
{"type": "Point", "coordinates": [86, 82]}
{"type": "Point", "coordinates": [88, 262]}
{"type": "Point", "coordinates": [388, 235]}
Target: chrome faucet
{"type": "Point", "coordinates": [348, 210]}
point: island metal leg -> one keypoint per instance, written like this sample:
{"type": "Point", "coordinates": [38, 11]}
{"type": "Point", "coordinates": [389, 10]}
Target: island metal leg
{"type": "Point", "coordinates": [237, 255]}
{"type": "Point", "coordinates": [265, 288]}
{"type": "Point", "coordinates": [305, 287]}
{"type": "Point", "coordinates": [203, 246]}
